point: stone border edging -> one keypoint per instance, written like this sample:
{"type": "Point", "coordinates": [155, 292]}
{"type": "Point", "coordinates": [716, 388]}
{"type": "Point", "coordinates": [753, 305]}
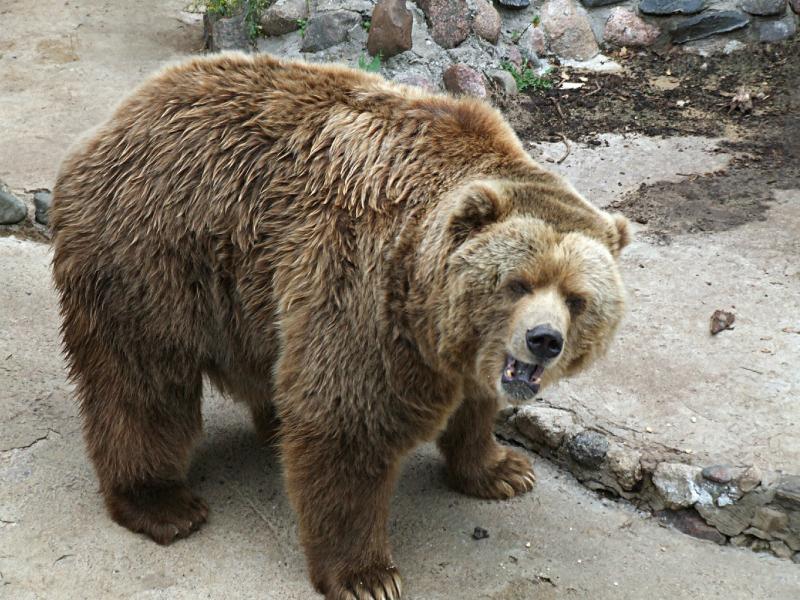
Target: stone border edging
{"type": "Point", "coordinates": [739, 506]}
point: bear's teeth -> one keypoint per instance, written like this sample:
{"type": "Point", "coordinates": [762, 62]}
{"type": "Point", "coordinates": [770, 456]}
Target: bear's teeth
{"type": "Point", "coordinates": [509, 372]}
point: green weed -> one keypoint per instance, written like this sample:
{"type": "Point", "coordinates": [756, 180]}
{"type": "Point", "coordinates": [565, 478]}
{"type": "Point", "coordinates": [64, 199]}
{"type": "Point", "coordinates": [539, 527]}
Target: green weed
{"type": "Point", "coordinates": [526, 78]}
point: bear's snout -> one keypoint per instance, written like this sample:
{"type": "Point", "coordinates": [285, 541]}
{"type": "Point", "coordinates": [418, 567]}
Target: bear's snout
{"type": "Point", "coordinates": [544, 342]}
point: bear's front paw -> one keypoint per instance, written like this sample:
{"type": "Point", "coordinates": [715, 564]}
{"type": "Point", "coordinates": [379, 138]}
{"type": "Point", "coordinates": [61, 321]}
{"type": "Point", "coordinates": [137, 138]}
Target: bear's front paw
{"type": "Point", "coordinates": [509, 475]}
{"type": "Point", "coordinates": [377, 583]}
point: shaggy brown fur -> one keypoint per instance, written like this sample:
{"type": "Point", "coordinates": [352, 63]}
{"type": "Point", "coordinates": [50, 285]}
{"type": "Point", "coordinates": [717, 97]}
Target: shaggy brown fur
{"type": "Point", "coordinates": [335, 251]}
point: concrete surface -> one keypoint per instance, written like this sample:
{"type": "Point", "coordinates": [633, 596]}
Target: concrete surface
{"type": "Point", "coordinates": [64, 66]}
{"type": "Point", "coordinates": [56, 541]}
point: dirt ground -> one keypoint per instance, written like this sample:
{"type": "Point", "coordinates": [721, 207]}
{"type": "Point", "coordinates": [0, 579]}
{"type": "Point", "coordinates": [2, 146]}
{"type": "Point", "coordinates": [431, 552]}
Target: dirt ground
{"type": "Point", "coordinates": [716, 200]}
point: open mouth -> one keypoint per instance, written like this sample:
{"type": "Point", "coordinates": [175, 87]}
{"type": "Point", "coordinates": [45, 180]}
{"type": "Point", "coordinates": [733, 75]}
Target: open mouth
{"type": "Point", "coordinates": [521, 376]}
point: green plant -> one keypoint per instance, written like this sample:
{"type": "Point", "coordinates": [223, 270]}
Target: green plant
{"type": "Point", "coordinates": [301, 26]}
{"type": "Point", "coordinates": [526, 77]}
{"type": "Point", "coordinates": [366, 25]}
{"type": "Point", "coordinates": [536, 20]}
{"type": "Point", "coordinates": [373, 66]}
{"type": "Point", "coordinates": [228, 8]}
{"type": "Point", "coordinates": [515, 35]}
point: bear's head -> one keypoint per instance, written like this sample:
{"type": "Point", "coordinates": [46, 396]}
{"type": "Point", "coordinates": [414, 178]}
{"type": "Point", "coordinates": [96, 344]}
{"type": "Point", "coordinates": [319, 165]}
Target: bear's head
{"type": "Point", "coordinates": [530, 290]}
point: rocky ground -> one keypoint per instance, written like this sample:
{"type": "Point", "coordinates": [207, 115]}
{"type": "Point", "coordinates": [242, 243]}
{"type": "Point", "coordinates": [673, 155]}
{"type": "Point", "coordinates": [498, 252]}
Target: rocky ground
{"type": "Point", "coordinates": [696, 142]}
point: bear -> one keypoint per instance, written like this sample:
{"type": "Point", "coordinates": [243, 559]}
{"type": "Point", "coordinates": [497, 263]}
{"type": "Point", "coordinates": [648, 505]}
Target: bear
{"type": "Point", "coordinates": [367, 266]}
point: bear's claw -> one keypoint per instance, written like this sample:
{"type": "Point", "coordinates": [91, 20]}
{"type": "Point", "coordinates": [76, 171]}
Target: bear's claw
{"type": "Point", "coordinates": [510, 476]}
{"type": "Point", "coordinates": [380, 583]}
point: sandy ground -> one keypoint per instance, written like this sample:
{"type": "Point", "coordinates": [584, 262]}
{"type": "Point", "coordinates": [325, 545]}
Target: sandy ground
{"type": "Point", "coordinates": [64, 66]}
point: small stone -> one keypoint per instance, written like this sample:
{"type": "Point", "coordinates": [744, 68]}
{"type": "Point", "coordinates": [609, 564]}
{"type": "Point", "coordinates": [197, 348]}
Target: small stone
{"type": "Point", "coordinates": [671, 7]}
{"type": "Point", "coordinates": [390, 28]}
{"type": "Point", "coordinates": [448, 21]}
{"type": "Point", "coordinates": [625, 465]}
{"type": "Point", "coordinates": [780, 549]}
{"type": "Point", "coordinates": [588, 448]}
{"type": "Point", "coordinates": [764, 8]}
{"type": "Point", "coordinates": [327, 29]}
{"type": "Point", "coordinates": [796, 555]}
{"type": "Point", "coordinates": [513, 55]}
{"type": "Point", "coordinates": [741, 541]}
{"type": "Point", "coordinates": [770, 520]}
{"type": "Point", "coordinates": [532, 44]}
{"type": "Point", "coordinates": [788, 492]}
{"type": "Point", "coordinates": [708, 24]}
{"type": "Point", "coordinates": [677, 484]}
{"type": "Point", "coordinates": [690, 523]}
{"type": "Point", "coordinates": [486, 22]}
{"type": "Point", "coordinates": [730, 520]}
{"type": "Point", "coordinates": [718, 473]}
{"type": "Point", "coordinates": [596, 3]}
{"type": "Point", "coordinates": [543, 425]}
{"type": "Point", "coordinates": [415, 80]}
{"type": "Point", "coordinates": [226, 33]}
{"type": "Point", "coordinates": [479, 533]}
{"type": "Point", "coordinates": [461, 79]}
{"type": "Point", "coordinates": [42, 201]}
{"type": "Point", "coordinates": [776, 31]}
{"type": "Point", "coordinates": [749, 480]}
{"type": "Point", "coordinates": [284, 16]}
{"type": "Point", "coordinates": [514, 3]}
{"type": "Point", "coordinates": [12, 209]}
{"type": "Point", "coordinates": [627, 29]}
{"type": "Point", "coordinates": [759, 546]}
{"type": "Point", "coordinates": [504, 82]}
{"type": "Point", "coordinates": [568, 30]}
{"type": "Point", "coordinates": [795, 4]}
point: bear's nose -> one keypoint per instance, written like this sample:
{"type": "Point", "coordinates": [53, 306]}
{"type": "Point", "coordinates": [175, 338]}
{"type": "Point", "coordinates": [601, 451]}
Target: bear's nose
{"type": "Point", "coordinates": [544, 342]}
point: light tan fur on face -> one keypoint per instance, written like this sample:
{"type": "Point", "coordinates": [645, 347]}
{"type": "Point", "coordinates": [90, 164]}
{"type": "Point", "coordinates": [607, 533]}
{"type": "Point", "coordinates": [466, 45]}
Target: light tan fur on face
{"type": "Point", "coordinates": [331, 249]}
{"type": "Point", "coordinates": [542, 307]}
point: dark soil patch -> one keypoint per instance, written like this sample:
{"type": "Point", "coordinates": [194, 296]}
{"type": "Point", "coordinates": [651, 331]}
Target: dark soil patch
{"type": "Point", "coordinates": [765, 141]}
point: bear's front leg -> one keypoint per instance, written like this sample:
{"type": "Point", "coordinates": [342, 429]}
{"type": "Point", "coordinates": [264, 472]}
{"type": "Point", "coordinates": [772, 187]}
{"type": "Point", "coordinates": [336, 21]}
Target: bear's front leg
{"type": "Point", "coordinates": [341, 490]}
{"type": "Point", "coordinates": [477, 465]}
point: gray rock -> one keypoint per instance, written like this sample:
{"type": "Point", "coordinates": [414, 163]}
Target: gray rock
{"type": "Point", "coordinates": [671, 7]}
{"type": "Point", "coordinates": [503, 81]}
{"type": "Point", "coordinates": [360, 6]}
{"type": "Point", "coordinates": [588, 448]}
{"type": "Point", "coordinates": [708, 24]}
{"type": "Point", "coordinates": [328, 29]}
{"type": "Point", "coordinates": [226, 33]}
{"type": "Point", "coordinates": [677, 484]}
{"type": "Point", "coordinates": [795, 4]}
{"type": "Point", "coordinates": [514, 3]}
{"type": "Point", "coordinates": [390, 28]}
{"type": "Point", "coordinates": [415, 80]}
{"type": "Point", "coordinates": [764, 8]}
{"type": "Point", "coordinates": [770, 520]}
{"type": "Point", "coordinates": [568, 30]}
{"type": "Point", "coordinates": [787, 492]}
{"type": "Point", "coordinates": [448, 21]}
{"type": "Point", "coordinates": [796, 557]}
{"type": "Point", "coordinates": [741, 541]}
{"type": "Point", "coordinates": [624, 28]}
{"type": "Point", "coordinates": [776, 31]}
{"type": "Point", "coordinates": [532, 44]}
{"type": "Point", "coordinates": [463, 80]}
{"type": "Point", "coordinates": [780, 549]}
{"type": "Point", "coordinates": [718, 473]}
{"type": "Point", "coordinates": [284, 16]}
{"type": "Point", "coordinates": [544, 425]}
{"type": "Point", "coordinates": [596, 3]}
{"type": "Point", "coordinates": [12, 209]}
{"type": "Point", "coordinates": [625, 464]}
{"type": "Point", "coordinates": [42, 200]}
{"type": "Point", "coordinates": [756, 532]}
{"type": "Point", "coordinates": [750, 479]}
{"type": "Point", "coordinates": [486, 22]}
{"type": "Point", "coordinates": [733, 519]}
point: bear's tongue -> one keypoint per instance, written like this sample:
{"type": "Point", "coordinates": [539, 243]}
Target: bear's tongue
{"type": "Point", "coordinates": [516, 370]}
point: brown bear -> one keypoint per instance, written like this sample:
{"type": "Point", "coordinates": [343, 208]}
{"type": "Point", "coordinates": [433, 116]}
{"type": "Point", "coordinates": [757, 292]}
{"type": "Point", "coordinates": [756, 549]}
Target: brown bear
{"type": "Point", "coordinates": [366, 265]}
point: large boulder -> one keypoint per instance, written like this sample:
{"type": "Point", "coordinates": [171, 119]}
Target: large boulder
{"type": "Point", "coordinates": [390, 28]}
{"type": "Point", "coordinates": [568, 30]}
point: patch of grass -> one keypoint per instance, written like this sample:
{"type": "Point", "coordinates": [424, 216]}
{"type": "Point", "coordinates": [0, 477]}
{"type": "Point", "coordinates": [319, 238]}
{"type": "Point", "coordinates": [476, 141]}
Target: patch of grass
{"type": "Point", "coordinates": [372, 66]}
{"type": "Point", "coordinates": [301, 26]}
{"type": "Point", "coordinates": [515, 35]}
{"type": "Point", "coordinates": [526, 77]}
{"type": "Point", "coordinates": [229, 8]}
{"type": "Point", "coordinates": [536, 20]}
{"type": "Point", "coordinates": [366, 25]}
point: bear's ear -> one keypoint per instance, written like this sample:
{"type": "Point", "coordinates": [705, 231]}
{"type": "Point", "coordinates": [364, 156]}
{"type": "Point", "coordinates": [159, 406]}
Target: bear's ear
{"type": "Point", "coordinates": [478, 206]}
{"type": "Point", "coordinates": [623, 230]}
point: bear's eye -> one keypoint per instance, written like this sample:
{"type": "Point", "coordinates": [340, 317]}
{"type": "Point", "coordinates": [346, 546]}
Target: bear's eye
{"type": "Point", "coordinates": [519, 287]}
{"type": "Point", "coordinates": [576, 304]}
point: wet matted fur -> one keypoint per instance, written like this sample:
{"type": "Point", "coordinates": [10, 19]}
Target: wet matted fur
{"type": "Point", "coordinates": [351, 258]}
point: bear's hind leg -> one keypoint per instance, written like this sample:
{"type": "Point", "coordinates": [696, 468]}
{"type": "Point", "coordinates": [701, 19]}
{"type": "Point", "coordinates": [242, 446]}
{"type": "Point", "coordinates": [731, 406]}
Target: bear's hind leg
{"type": "Point", "coordinates": [141, 418]}
{"type": "Point", "coordinates": [477, 465]}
